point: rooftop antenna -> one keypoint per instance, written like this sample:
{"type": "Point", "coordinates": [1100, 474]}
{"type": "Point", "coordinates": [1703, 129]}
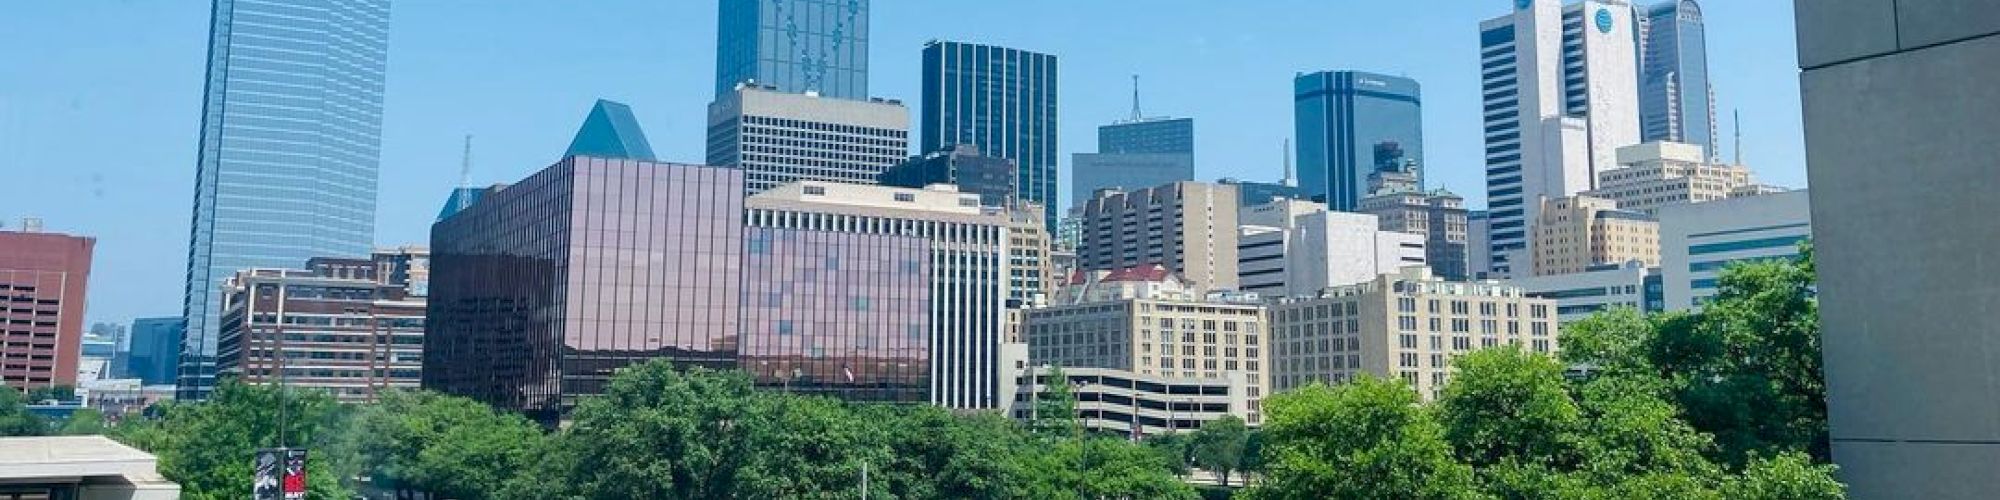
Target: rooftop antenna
{"type": "Point", "coordinates": [465, 167]}
{"type": "Point", "coordinates": [1738, 125]}
{"type": "Point", "coordinates": [1288, 181]}
{"type": "Point", "coordinates": [1136, 116]}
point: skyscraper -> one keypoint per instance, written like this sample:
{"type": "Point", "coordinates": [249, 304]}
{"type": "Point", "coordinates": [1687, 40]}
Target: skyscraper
{"type": "Point", "coordinates": [290, 143]}
{"type": "Point", "coordinates": [1676, 102]}
{"type": "Point", "coordinates": [1560, 92]}
{"type": "Point", "coordinates": [1351, 124]}
{"type": "Point", "coordinates": [156, 349]}
{"type": "Point", "coordinates": [777, 138]}
{"type": "Point", "coordinates": [1000, 99]}
{"type": "Point", "coordinates": [1134, 154]}
{"type": "Point", "coordinates": [795, 46]}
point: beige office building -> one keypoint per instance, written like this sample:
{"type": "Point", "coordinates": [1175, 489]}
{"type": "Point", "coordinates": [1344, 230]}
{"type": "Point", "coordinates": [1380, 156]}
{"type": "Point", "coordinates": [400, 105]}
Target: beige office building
{"type": "Point", "coordinates": [1657, 174]}
{"type": "Point", "coordinates": [1148, 321]}
{"type": "Point", "coordinates": [1574, 234]}
{"type": "Point", "coordinates": [1189, 227]}
{"type": "Point", "coordinates": [1031, 264]}
{"type": "Point", "coordinates": [1408, 325]}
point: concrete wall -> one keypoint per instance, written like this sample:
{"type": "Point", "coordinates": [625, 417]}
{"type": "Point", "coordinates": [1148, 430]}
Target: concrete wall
{"type": "Point", "coordinates": [1901, 114]}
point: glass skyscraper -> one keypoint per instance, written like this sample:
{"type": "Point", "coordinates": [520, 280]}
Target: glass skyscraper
{"type": "Point", "coordinates": [1149, 135]}
{"type": "Point", "coordinates": [1003, 101]}
{"type": "Point", "coordinates": [793, 46]}
{"type": "Point", "coordinates": [1131, 155]}
{"type": "Point", "coordinates": [1676, 101]}
{"type": "Point", "coordinates": [290, 143]}
{"type": "Point", "coordinates": [1351, 124]}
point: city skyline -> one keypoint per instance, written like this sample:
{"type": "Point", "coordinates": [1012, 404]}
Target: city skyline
{"type": "Point", "coordinates": [432, 102]}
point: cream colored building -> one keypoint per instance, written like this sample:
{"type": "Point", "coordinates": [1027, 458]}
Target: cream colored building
{"type": "Point", "coordinates": [1147, 321]}
{"type": "Point", "coordinates": [1576, 233]}
{"type": "Point", "coordinates": [1133, 404]}
{"type": "Point", "coordinates": [1189, 227]}
{"type": "Point", "coordinates": [1657, 174]}
{"type": "Point", "coordinates": [1408, 325]}
{"type": "Point", "coordinates": [1031, 265]}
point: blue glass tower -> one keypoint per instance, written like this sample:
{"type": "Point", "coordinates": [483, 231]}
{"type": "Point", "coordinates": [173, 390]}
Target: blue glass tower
{"type": "Point", "coordinates": [290, 143]}
{"type": "Point", "coordinates": [610, 131]}
{"type": "Point", "coordinates": [1003, 101]}
{"type": "Point", "coordinates": [155, 349]}
{"type": "Point", "coordinates": [1676, 101]}
{"type": "Point", "coordinates": [1351, 124]}
{"type": "Point", "coordinates": [794, 46]}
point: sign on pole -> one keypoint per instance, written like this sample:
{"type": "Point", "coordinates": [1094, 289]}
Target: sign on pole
{"type": "Point", "coordinates": [279, 474]}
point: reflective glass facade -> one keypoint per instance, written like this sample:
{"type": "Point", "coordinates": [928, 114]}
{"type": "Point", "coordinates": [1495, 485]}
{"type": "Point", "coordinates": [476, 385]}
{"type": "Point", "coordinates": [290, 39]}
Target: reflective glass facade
{"type": "Point", "coordinates": [1090, 172]}
{"type": "Point", "coordinates": [290, 143]}
{"type": "Point", "coordinates": [156, 349]}
{"type": "Point", "coordinates": [541, 289]}
{"type": "Point", "coordinates": [1351, 124]}
{"type": "Point", "coordinates": [1000, 99]}
{"type": "Point", "coordinates": [1160, 136]}
{"type": "Point", "coordinates": [838, 313]}
{"type": "Point", "coordinates": [1676, 101]}
{"type": "Point", "coordinates": [794, 46]}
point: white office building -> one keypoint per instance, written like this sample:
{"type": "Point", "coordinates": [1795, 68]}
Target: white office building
{"type": "Point", "coordinates": [1560, 85]}
{"type": "Point", "coordinates": [778, 137]}
{"type": "Point", "coordinates": [1297, 248]}
{"type": "Point", "coordinates": [1697, 241]}
{"type": "Point", "coordinates": [1630, 285]}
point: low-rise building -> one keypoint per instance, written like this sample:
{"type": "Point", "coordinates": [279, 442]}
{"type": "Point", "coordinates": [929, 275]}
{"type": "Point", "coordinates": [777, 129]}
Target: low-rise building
{"type": "Point", "coordinates": [1698, 241]}
{"type": "Point", "coordinates": [1133, 404]}
{"type": "Point", "coordinates": [342, 325]}
{"type": "Point", "coordinates": [1408, 325]}
{"type": "Point", "coordinates": [80, 467]}
{"type": "Point", "coordinates": [1296, 248]}
{"type": "Point", "coordinates": [1598, 288]}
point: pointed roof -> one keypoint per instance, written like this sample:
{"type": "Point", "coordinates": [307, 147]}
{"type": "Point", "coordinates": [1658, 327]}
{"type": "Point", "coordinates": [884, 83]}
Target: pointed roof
{"type": "Point", "coordinates": [611, 132]}
{"type": "Point", "coordinates": [461, 199]}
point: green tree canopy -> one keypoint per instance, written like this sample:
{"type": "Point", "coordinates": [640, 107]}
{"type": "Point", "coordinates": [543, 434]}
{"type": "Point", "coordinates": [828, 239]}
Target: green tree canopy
{"type": "Point", "coordinates": [14, 417]}
{"type": "Point", "coordinates": [208, 447]}
{"type": "Point", "coordinates": [446, 445]}
{"type": "Point", "coordinates": [1508, 403]}
{"type": "Point", "coordinates": [1219, 446]}
{"type": "Point", "coordinates": [1365, 439]}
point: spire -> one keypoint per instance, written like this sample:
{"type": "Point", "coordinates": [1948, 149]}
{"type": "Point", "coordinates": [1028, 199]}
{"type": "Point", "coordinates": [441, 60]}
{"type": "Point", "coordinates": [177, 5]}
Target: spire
{"type": "Point", "coordinates": [1136, 115]}
{"type": "Point", "coordinates": [465, 164]}
{"type": "Point", "coordinates": [1288, 180]}
{"type": "Point", "coordinates": [609, 131]}
{"type": "Point", "coordinates": [1738, 125]}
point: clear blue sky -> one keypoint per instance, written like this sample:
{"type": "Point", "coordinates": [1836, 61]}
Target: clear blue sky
{"type": "Point", "coordinates": [100, 99]}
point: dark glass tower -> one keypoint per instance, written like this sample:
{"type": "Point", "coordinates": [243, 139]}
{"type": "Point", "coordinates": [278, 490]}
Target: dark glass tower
{"type": "Point", "coordinates": [1351, 124]}
{"type": "Point", "coordinates": [1003, 101]}
{"type": "Point", "coordinates": [291, 134]}
{"type": "Point", "coordinates": [793, 46]}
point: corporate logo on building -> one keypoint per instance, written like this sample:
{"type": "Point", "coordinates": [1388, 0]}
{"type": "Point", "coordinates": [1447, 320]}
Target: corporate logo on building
{"type": "Point", "coordinates": [1604, 20]}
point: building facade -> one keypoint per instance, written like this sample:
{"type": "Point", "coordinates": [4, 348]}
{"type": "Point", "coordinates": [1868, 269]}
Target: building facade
{"type": "Point", "coordinates": [1031, 257]}
{"type": "Point", "coordinates": [1597, 289]}
{"type": "Point", "coordinates": [341, 325]}
{"type": "Point", "coordinates": [1297, 248]}
{"type": "Point", "coordinates": [1904, 296]}
{"type": "Point", "coordinates": [155, 349]}
{"type": "Point", "coordinates": [843, 314]}
{"type": "Point", "coordinates": [1189, 227]}
{"type": "Point", "coordinates": [968, 268]}
{"type": "Point", "coordinates": [1439, 216]}
{"type": "Point", "coordinates": [963, 166]}
{"type": "Point", "coordinates": [776, 137]}
{"type": "Point", "coordinates": [1698, 241]}
{"type": "Point", "coordinates": [1676, 101]}
{"type": "Point", "coordinates": [1145, 320]}
{"type": "Point", "coordinates": [44, 278]}
{"type": "Point", "coordinates": [1408, 326]}
{"type": "Point", "coordinates": [1093, 172]}
{"type": "Point", "coordinates": [1559, 85]}
{"type": "Point", "coordinates": [290, 146]}
{"type": "Point", "coordinates": [1131, 404]}
{"type": "Point", "coordinates": [795, 46]}
{"type": "Point", "coordinates": [1351, 124]}
{"type": "Point", "coordinates": [1000, 99]}
{"type": "Point", "coordinates": [1147, 135]}
{"type": "Point", "coordinates": [1478, 250]}
{"type": "Point", "coordinates": [1657, 174]}
{"type": "Point", "coordinates": [1576, 233]}
{"type": "Point", "coordinates": [545, 287]}
{"type": "Point", "coordinates": [1254, 193]}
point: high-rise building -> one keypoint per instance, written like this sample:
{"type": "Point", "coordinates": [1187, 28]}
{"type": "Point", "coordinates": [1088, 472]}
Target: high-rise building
{"type": "Point", "coordinates": [969, 268]}
{"type": "Point", "coordinates": [1351, 124]}
{"type": "Point", "coordinates": [155, 349]}
{"type": "Point", "coordinates": [1189, 227]}
{"type": "Point", "coordinates": [1031, 262]}
{"type": "Point", "coordinates": [1146, 320]}
{"type": "Point", "coordinates": [1676, 101]}
{"type": "Point", "coordinates": [1697, 241]}
{"type": "Point", "coordinates": [43, 277]}
{"type": "Point", "coordinates": [963, 166]}
{"type": "Point", "coordinates": [1292, 248]}
{"type": "Point", "coordinates": [1254, 193]}
{"type": "Point", "coordinates": [290, 146]}
{"type": "Point", "coordinates": [1900, 109]}
{"type": "Point", "coordinates": [1478, 251]}
{"type": "Point", "coordinates": [1560, 96]}
{"type": "Point", "coordinates": [1657, 174]}
{"type": "Point", "coordinates": [777, 138]}
{"type": "Point", "coordinates": [1133, 154]}
{"type": "Point", "coordinates": [340, 324]}
{"type": "Point", "coordinates": [1396, 199]}
{"type": "Point", "coordinates": [1630, 285]}
{"type": "Point", "coordinates": [1407, 325]}
{"type": "Point", "coordinates": [1148, 135]}
{"type": "Point", "coordinates": [545, 287]}
{"type": "Point", "coordinates": [795, 46]}
{"type": "Point", "coordinates": [1577, 233]}
{"type": "Point", "coordinates": [1000, 99]}
{"type": "Point", "coordinates": [838, 313]}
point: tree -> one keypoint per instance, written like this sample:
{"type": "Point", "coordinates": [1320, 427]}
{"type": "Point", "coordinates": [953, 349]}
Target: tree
{"type": "Point", "coordinates": [84, 422]}
{"type": "Point", "coordinates": [1096, 467]}
{"type": "Point", "coordinates": [1055, 407]}
{"type": "Point", "coordinates": [208, 447]}
{"type": "Point", "coordinates": [1365, 439]}
{"type": "Point", "coordinates": [1789, 476]}
{"type": "Point", "coordinates": [1219, 446]}
{"type": "Point", "coordinates": [656, 432]}
{"type": "Point", "coordinates": [52, 393]}
{"type": "Point", "coordinates": [445, 445]}
{"type": "Point", "coordinates": [1506, 403]}
{"type": "Point", "coordinates": [1174, 448]}
{"type": "Point", "coordinates": [14, 417]}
